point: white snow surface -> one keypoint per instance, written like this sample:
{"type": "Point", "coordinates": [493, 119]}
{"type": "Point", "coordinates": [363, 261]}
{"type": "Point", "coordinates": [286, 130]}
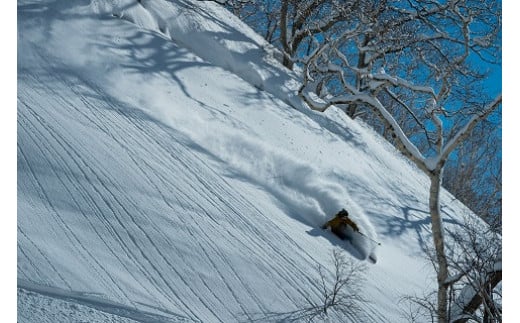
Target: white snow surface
{"type": "Point", "coordinates": [167, 171]}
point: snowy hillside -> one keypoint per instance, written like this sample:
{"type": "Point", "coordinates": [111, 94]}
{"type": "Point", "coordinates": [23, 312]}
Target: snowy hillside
{"type": "Point", "coordinates": [167, 172]}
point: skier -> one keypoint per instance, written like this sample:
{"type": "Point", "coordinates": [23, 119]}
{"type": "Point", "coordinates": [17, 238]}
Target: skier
{"type": "Point", "coordinates": [339, 223]}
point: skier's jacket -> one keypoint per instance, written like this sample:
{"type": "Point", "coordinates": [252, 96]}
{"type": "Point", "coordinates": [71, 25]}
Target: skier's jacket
{"type": "Point", "coordinates": [339, 223]}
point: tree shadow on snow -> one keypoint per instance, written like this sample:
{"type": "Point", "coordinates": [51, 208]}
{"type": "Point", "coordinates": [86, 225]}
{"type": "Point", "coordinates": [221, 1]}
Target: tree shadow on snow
{"type": "Point", "coordinates": [413, 219]}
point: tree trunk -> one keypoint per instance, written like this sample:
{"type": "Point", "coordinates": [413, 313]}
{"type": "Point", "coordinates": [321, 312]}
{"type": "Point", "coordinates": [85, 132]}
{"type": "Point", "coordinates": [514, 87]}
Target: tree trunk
{"type": "Point", "coordinates": [361, 65]}
{"type": "Point", "coordinates": [284, 39]}
{"type": "Point", "coordinates": [438, 240]}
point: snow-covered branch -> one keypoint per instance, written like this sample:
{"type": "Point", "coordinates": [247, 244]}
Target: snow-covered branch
{"type": "Point", "coordinates": [385, 79]}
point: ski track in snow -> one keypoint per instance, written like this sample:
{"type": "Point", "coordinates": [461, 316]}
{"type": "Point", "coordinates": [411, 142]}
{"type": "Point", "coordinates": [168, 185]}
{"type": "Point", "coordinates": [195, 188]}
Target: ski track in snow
{"type": "Point", "coordinates": [99, 192]}
{"type": "Point", "coordinates": [77, 304]}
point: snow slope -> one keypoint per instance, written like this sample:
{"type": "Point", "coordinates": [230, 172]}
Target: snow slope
{"type": "Point", "coordinates": [167, 172]}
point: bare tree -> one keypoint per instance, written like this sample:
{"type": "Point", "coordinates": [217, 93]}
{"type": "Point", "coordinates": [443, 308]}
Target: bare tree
{"type": "Point", "coordinates": [417, 308]}
{"type": "Point", "coordinates": [343, 294]}
{"type": "Point", "coordinates": [289, 23]}
{"type": "Point", "coordinates": [300, 19]}
{"type": "Point", "coordinates": [474, 174]}
{"type": "Point", "coordinates": [339, 294]}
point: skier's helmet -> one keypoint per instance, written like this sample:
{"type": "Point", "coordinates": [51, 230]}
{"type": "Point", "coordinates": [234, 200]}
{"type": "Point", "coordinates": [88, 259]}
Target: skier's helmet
{"type": "Point", "coordinates": [343, 213]}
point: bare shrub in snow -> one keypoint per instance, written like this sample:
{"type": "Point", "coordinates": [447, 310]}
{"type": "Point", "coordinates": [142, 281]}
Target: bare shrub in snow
{"type": "Point", "coordinates": [419, 309]}
{"type": "Point", "coordinates": [342, 294]}
{"type": "Point", "coordinates": [339, 294]}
